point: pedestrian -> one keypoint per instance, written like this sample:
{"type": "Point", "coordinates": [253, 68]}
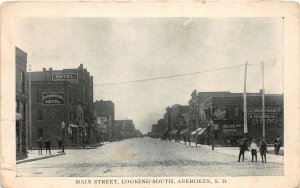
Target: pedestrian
{"type": "Point", "coordinates": [277, 145]}
{"type": "Point", "coordinates": [253, 149]}
{"type": "Point", "coordinates": [48, 146]}
{"type": "Point", "coordinates": [40, 145]}
{"type": "Point", "coordinates": [263, 150]}
{"type": "Point", "coordinates": [59, 143]}
{"type": "Point", "coordinates": [243, 147]}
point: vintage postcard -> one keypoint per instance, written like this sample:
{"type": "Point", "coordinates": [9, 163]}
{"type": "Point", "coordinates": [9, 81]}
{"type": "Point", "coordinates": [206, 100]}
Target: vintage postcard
{"type": "Point", "coordinates": [150, 94]}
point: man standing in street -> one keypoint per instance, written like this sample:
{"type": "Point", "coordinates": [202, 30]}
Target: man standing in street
{"type": "Point", "coordinates": [243, 147]}
{"type": "Point", "coordinates": [253, 149]}
{"type": "Point", "coordinates": [263, 150]}
{"type": "Point", "coordinates": [277, 145]}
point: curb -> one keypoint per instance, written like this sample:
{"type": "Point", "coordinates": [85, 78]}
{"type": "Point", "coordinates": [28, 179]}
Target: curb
{"type": "Point", "coordinates": [39, 158]}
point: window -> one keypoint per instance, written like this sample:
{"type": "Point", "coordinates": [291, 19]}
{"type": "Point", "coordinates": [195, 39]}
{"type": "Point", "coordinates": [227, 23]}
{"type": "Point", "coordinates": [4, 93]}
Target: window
{"type": "Point", "coordinates": [236, 111]}
{"type": "Point", "coordinates": [23, 81]}
{"type": "Point", "coordinates": [18, 106]}
{"type": "Point", "coordinates": [38, 96]}
{"type": "Point", "coordinates": [39, 114]}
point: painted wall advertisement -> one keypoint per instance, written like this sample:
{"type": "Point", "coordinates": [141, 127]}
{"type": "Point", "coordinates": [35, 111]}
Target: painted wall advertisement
{"type": "Point", "coordinates": [55, 98]}
{"type": "Point", "coordinates": [255, 114]}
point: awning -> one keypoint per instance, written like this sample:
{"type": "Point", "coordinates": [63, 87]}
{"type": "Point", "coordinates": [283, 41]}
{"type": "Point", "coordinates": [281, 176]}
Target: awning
{"type": "Point", "coordinates": [201, 131]}
{"type": "Point", "coordinates": [18, 116]}
{"type": "Point", "coordinates": [197, 130]}
{"type": "Point", "coordinates": [72, 125]}
{"type": "Point", "coordinates": [184, 131]}
{"type": "Point", "coordinates": [174, 131]}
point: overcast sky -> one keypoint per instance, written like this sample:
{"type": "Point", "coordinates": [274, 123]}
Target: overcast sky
{"type": "Point", "coordinates": [126, 49]}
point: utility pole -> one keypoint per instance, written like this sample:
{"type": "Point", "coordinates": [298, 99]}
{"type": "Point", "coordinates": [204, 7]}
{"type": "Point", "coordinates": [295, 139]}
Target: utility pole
{"type": "Point", "coordinates": [263, 101]}
{"type": "Point", "coordinates": [245, 102]}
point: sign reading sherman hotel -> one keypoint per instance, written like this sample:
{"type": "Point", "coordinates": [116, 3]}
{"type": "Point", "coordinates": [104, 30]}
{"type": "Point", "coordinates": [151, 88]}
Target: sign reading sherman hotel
{"type": "Point", "coordinates": [69, 77]}
{"type": "Point", "coordinates": [53, 98]}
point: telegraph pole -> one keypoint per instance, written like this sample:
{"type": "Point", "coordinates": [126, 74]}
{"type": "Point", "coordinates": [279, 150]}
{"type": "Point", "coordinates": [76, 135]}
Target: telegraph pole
{"type": "Point", "coordinates": [245, 102]}
{"type": "Point", "coordinates": [263, 101]}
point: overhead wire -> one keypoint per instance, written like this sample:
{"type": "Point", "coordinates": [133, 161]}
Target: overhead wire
{"type": "Point", "coordinates": [167, 77]}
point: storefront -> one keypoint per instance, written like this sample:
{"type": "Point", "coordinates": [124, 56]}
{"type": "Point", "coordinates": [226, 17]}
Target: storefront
{"type": "Point", "coordinates": [228, 123]}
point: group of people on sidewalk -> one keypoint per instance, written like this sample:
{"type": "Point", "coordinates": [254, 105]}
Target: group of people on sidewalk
{"type": "Point", "coordinates": [47, 145]}
{"type": "Point", "coordinates": [254, 149]}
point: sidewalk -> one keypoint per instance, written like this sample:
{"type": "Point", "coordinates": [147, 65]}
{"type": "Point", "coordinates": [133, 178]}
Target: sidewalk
{"type": "Point", "coordinates": [234, 151]}
{"type": "Point", "coordinates": [34, 156]}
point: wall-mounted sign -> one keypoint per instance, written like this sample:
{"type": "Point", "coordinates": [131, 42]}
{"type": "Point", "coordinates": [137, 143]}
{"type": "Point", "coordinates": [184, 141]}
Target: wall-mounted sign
{"type": "Point", "coordinates": [220, 113]}
{"type": "Point", "coordinates": [53, 98]}
{"type": "Point", "coordinates": [67, 77]}
{"type": "Point", "coordinates": [267, 109]}
{"type": "Point", "coordinates": [255, 114]}
{"type": "Point", "coordinates": [257, 118]}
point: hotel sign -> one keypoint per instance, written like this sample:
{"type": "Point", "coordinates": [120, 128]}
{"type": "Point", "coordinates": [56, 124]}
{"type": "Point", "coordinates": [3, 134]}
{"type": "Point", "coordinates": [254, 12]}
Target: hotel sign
{"type": "Point", "coordinates": [255, 114]}
{"type": "Point", "coordinates": [66, 77]}
{"type": "Point", "coordinates": [53, 98]}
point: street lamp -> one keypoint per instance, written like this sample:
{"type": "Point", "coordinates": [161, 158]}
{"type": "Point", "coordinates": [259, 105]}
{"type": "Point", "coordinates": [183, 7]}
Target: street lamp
{"type": "Point", "coordinates": [63, 135]}
{"type": "Point", "coordinates": [212, 135]}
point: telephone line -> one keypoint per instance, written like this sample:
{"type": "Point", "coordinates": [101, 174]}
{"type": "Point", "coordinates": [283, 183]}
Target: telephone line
{"type": "Point", "coordinates": [167, 77]}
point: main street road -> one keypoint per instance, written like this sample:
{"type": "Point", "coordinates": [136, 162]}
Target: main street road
{"type": "Point", "coordinates": [146, 157]}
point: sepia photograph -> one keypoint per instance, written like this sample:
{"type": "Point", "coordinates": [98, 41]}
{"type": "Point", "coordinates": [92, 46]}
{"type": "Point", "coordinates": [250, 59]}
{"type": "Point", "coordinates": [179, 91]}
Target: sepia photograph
{"type": "Point", "coordinates": [170, 94]}
{"type": "Point", "coordinates": [149, 97]}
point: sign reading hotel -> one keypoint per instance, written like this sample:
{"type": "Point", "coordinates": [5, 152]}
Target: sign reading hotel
{"type": "Point", "coordinates": [255, 114]}
{"type": "Point", "coordinates": [65, 77]}
{"type": "Point", "coordinates": [53, 98]}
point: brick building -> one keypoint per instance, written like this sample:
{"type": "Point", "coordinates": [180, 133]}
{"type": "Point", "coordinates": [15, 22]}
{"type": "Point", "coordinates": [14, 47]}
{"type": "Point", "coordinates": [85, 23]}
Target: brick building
{"type": "Point", "coordinates": [175, 119]}
{"type": "Point", "coordinates": [104, 116]}
{"type": "Point", "coordinates": [226, 112]}
{"type": "Point", "coordinates": [21, 103]}
{"type": "Point", "coordinates": [62, 96]}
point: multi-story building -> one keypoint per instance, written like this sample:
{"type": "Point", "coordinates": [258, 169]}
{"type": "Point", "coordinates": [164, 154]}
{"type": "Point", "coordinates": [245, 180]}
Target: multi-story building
{"type": "Point", "coordinates": [175, 119]}
{"type": "Point", "coordinates": [104, 114]}
{"type": "Point", "coordinates": [21, 103]}
{"type": "Point", "coordinates": [62, 96]}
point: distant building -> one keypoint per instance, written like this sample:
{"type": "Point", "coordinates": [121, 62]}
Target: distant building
{"type": "Point", "coordinates": [62, 96]}
{"type": "Point", "coordinates": [104, 115]}
{"type": "Point", "coordinates": [127, 128]}
{"type": "Point", "coordinates": [175, 118]}
{"type": "Point", "coordinates": [21, 103]}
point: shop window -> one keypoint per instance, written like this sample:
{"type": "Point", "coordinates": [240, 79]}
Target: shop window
{"type": "Point", "coordinates": [238, 125]}
{"type": "Point", "coordinates": [39, 114]}
{"type": "Point", "coordinates": [236, 111]}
